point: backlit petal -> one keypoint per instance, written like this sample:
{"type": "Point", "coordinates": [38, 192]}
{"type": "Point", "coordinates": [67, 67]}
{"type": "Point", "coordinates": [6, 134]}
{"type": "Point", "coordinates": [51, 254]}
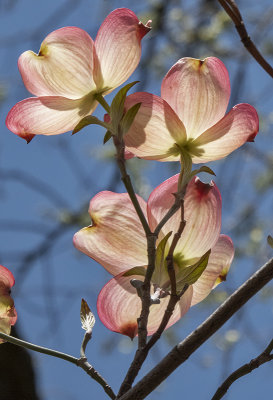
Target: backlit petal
{"type": "Point", "coordinates": [8, 315]}
{"type": "Point", "coordinates": [47, 115]}
{"type": "Point", "coordinates": [240, 125]}
{"type": "Point", "coordinates": [116, 238]}
{"type": "Point", "coordinates": [198, 91]}
{"type": "Point", "coordinates": [118, 47]}
{"type": "Point", "coordinates": [202, 212]}
{"type": "Point", "coordinates": [219, 262]}
{"type": "Point", "coordinates": [63, 66]}
{"type": "Point", "coordinates": [6, 279]}
{"type": "Point", "coordinates": [155, 130]}
{"type": "Point", "coordinates": [119, 307]}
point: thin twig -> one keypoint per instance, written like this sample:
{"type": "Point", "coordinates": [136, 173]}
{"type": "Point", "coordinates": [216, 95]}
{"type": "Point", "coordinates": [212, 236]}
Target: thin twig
{"type": "Point", "coordinates": [80, 362]}
{"type": "Point", "coordinates": [245, 369]}
{"type": "Point", "coordinates": [169, 258]}
{"type": "Point", "coordinates": [174, 208]}
{"type": "Point", "coordinates": [181, 352]}
{"type": "Point", "coordinates": [143, 351]}
{"type": "Point", "coordinates": [128, 184]}
{"type": "Point", "coordinates": [86, 338]}
{"type": "Point", "coordinates": [39, 349]}
{"type": "Point", "coordinates": [232, 10]}
{"type": "Point", "coordinates": [151, 241]}
{"type": "Point", "coordinates": [90, 370]}
{"type": "Point", "coordinates": [167, 315]}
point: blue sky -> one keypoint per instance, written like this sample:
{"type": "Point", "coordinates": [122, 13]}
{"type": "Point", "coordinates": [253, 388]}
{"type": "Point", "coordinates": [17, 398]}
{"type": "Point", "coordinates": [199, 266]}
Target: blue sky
{"type": "Point", "coordinates": [48, 291]}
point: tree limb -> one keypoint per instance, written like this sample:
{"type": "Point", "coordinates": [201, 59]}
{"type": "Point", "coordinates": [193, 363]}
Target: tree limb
{"type": "Point", "coordinates": [181, 352]}
{"type": "Point", "coordinates": [80, 362]}
{"type": "Point", "coordinates": [232, 10]}
{"type": "Point", "coordinates": [245, 369]}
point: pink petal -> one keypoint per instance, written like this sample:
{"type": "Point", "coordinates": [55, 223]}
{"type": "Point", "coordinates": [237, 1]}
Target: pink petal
{"type": "Point", "coordinates": [118, 47]}
{"type": "Point", "coordinates": [48, 115]}
{"type": "Point", "coordinates": [63, 66]}
{"type": "Point", "coordinates": [240, 125]}
{"type": "Point", "coordinates": [155, 130]}
{"type": "Point", "coordinates": [6, 279]}
{"type": "Point", "coordinates": [119, 307]}
{"type": "Point", "coordinates": [6, 303]}
{"type": "Point", "coordinates": [116, 238]}
{"type": "Point", "coordinates": [219, 262]}
{"type": "Point", "coordinates": [8, 315]}
{"type": "Point", "coordinates": [4, 327]}
{"type": "Point", "coordinates": [198, 91]}
{"type": "Point", "coordinates": [6, 321]}
{"type": "Point", "coordinates": [128, 154]}
{"type": "Point", "coordinates": [202, 212]}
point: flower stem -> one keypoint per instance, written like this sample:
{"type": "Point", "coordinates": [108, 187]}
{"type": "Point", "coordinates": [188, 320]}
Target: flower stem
{"type": "Point", "coordinates": [99, 97]}
{"type": "Point", "coordinates": [119, 144]}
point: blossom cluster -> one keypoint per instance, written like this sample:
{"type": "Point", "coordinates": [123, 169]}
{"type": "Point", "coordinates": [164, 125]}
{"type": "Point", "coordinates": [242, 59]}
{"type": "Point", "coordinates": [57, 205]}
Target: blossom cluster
{"type": "Point", "coordinates": [69, 76]}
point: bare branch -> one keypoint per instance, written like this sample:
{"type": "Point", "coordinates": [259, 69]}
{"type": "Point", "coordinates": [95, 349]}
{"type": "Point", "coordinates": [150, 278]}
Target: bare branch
{"type": "Point", "coordinates": [181, 352]}
{"type": "Point", "coordinates": [264, 357]}
{"type": "Point", "coordinates": [169, 258]}
{"type": "Point", "coordinates": [142, 352]}
{"type": "Point", "coordinates": [232, 10]}
{"type": "Point", "coordinates": [80, 362]}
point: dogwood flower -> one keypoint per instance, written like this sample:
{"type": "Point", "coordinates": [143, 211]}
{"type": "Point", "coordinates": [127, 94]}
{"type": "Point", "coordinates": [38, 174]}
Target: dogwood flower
{"type": "Point", "coordinates": [190, 115]}
{"type": "Point", "coordinates": [8, 315]}
{"type": "Point", "coordinates": [117, 241]}
{"type": "Point", "coordinates": [70, 69]}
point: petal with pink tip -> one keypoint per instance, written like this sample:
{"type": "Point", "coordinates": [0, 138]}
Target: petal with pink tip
{"type": "Point", "coordinates": [219, 263]}
{"type": "Point", "coordinates": [116, 238]}
{"type": "Point", "coordinates": [6, 280]}
{"type": "Point", "coordinates": [202, 212]}
{"type": "Point", "coordinates": [119, 307]}
{"type": "Point", "coordinates": [6, 303]}
{"type": "Point", "coordinates": [198, 91]}
{"type": "Point", "coordinates": [4, 327]}
{"type": "Point", "coordinates": [240, 125]}
{"type": "Point", "coordinates": [118, 47]}
{"type": "Point", "coordinates": [8, 315]}
{"type": "Point", "coordinates": [155, 130]}
{"type": "Point", "coordinates": [49, 115]}
{"type": "Point", "coordinates": [6, 321]}
{"type": "Point", "coordinates": [63, 66]}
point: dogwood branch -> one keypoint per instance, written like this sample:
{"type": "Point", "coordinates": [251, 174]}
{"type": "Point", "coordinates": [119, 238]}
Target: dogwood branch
{"type": "Point", "coordinates": [128, 184]}
{"type": "Point", "coordinates": [80, 362]}
{"type": "Point", "coordinates": [263, 358]}
{"type": "Point", "coordinates": [169, 257]}
{"type": "Point", "coordinates": [181, 352]}
{"type": "Point", "coordinates": [142, 352]}
{"type": "Point", "coordinates": [151, 237]}
{"type": "Point", "coordinates": [233, 11]}
{"type": "Point", "coordinates": [151, 249]}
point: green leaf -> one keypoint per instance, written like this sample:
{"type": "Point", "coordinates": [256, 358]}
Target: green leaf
{"type": "Point", "coordinates": [189, 275]}
{"type": "Point", "coordinates": [270, 241]}
{"type": "Point", "coordinates": [136, 271]}
{"type": "Point", "coordinates": [128, 118]}
{"type": "Point", "coordinates": [89, 120]}
{"type": "Point", "coordinates": [87, 317]}
{"type": "Point", "coordinates": [117, 106]}
{"type": "Point", "coordinates": [160, 275]}
{"type": "Point", "coordinates": [107, 137]}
